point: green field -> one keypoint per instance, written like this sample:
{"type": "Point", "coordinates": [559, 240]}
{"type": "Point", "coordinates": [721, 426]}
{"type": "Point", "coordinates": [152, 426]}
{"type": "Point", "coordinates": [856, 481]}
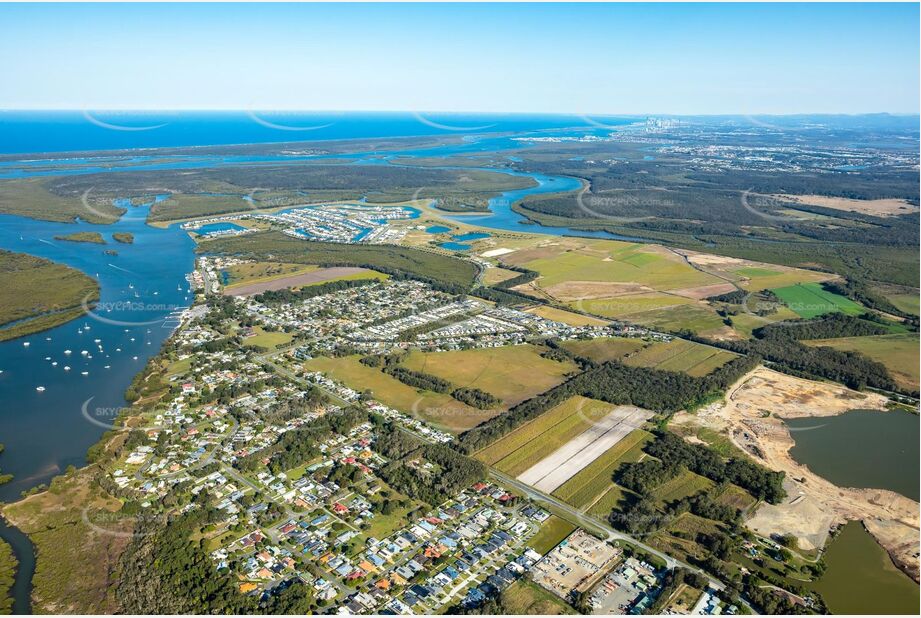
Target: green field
{"type": "Point", "coordinates": [693, 317]}
{"type": "Point", "coordinates": [681, 355]}
{"type": "Point", "coordinates": [595, 479]}
{"type": "Point", "coordinates": [608, 260]}
{"type": "Point", "coordinates": [684, 485]}
{"type": "Point", "coordinates": [268, 339]}
{"type": "Point", "coordinates": [511, 373]}
{"type": "Point", "coordinates": [527, 445]}
{"type": "Point", "coordinates": [603, 349]}
{"type": "Point", "coordinates": [39, 294]}
{"type": "Point", "coordinates": [566, 317]}
{"type": "Point", "coordinates": [609, 501]}
{"type": "Point", "coordinates": [809, 300]}
{"type": "Point", "coordinates": [899, 353]}
{"type": "Point", "coordinates": [437, 408]}
{"type": "Point", "coordinates": [909, 303]}
{"type": "Point", "coordinates": [524, 597]}
{"type": "Point", "coordinates": [550, 534]}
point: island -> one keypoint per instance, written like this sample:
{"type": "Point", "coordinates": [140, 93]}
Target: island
{"type": "Point", "coordinates": [125, 238]}
{"type": "Point", "coordinates": [90, 237]}
{"type": "Point", "coordinates": [40, 294]}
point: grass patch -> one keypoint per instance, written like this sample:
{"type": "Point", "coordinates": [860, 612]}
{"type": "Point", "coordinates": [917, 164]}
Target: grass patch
{"type": "Point", "coordinates": [898, 352]}
{"type": "Point", "coordinates": [551, 532]}
{"type": "Point", "coordinates": [680, 355]}
{"type": "Point", "coordinates": [681, 486]}
{"type": "Point", "coordinates": [257, 272]}
{"type": "Point", "coordinates": [809, 300]}
{"type": "Point", "coordinates": [632, 305]}
{"type": "Point", "coordinates": [524, 597]}
{"type": "Point", "coordinates": [604, 349]}
{"type": "Point", "coordinates": [511, 373]}
{"type": "Point", "coordinates": [269, 340]}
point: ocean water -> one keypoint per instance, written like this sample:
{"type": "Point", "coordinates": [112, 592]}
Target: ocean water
{"type": "Point", "coordinates": [62, 131]}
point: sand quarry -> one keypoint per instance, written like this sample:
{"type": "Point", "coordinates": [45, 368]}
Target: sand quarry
{"type": "Point", "coordinates": [750, 416]}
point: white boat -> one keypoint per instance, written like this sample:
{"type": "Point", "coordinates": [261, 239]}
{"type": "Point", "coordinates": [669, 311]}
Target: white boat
{"type": "Point", "coordinates": [134, 357]}
{"type": "Point", "coordinates": [67, 352]}
{"type": "Point", "coordinates": [84, 373]}
{"type": "Point", "coordinates": [66, 368]}
{"type": "Point", "coordinates": [107, 367]}
{"type": "Point", "coordinates": [96, 340]}
{"type": "Point", "coordinates": [84, 352]}
{"type": "Point", "coordinates": [54, 363]}
{"type": "Point", "coordinates": [25, 344]}
{"type": "Point", "coordinates": [40, 389]}
{"type": "Point", "coordinates": [47, 358]}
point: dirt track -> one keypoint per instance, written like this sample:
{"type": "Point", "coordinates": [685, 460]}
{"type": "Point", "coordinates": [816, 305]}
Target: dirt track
{"type": "Point", "coordinates": [751, 417]}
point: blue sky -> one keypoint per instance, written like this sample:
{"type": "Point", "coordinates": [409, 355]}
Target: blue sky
{"type": "Point", "coordinates": [616, 59]}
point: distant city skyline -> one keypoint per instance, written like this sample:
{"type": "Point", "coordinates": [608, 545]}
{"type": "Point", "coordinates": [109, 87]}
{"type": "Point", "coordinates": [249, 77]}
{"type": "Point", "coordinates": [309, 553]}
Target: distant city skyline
{"type": "Point", "coordinates": [605, 59]}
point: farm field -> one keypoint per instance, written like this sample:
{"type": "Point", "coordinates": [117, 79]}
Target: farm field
{"type": "Point", "coordinates": [551, 532]}
{"type": "Point", "coordinates": [604, 349]}
{"type": "Point", "coordinates": [899, 353]}
{"type": "Point", "coordinates": [566, 317]}
{"type": "Point", "coordinates": [681, 486]}
{"type": "Point", "coordinates": [680, 355]}
{"type": "Point", "coordinates": [753, 276]}
{"type": "Point", "coordinates": [565, 462]}
{"type": "Point", "coordinates": [511, 373]}
{"type": "Point", "coordinates": [908, 303]}
{"type": "Point", "coordinates": [609, 500]}
{"type": "Point", "coordinates": [437, 408]}
{"type": "Point", "coordinates": [589, 483]}
{"type": "Point", "coordinates": [697, 317]}
{"type": "Point", "coordinates": [533, 441]}
{"type": "Point", "coordinates": [809, 300]}
{"type": "Point", "coordinates": [615, 261]}
{"type": "Point", "coordinates": [630, 305]}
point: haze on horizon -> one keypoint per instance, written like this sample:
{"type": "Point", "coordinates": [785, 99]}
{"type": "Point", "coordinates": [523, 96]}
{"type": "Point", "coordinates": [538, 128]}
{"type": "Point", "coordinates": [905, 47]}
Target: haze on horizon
{"type": "Point", "coordinates": [546, 58]}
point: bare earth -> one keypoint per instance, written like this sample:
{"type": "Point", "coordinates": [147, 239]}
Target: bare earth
{"type": "Point", "coordinates": [585, 290]}
{"type": "Point", "coordinates": [878, 208]}
{"type": "Point", "coordinates": [751, 417]}
{"type": "Point", "coordinates": [561, 465]}
{"type": "Point", "coordinates": [316, 276]}
{"type": "Point", "coordinates": [704, 291]}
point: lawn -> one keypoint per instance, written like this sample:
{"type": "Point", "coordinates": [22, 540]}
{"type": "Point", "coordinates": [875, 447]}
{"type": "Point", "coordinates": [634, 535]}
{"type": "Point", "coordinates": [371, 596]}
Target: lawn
{"type": "Point", "coordinates": [511, 373]}
{"type": "Point", "coordinates": [269, 340]}
{"type": "Point", "coordinates": [524, 597]}
{"type": "Point", "coordinates": [809, 300]}
{"type": "Point", "coordinates": [899, 353]}
{"type": "Point", "coordinates": [550, 534]}
{"type": "Point", "coordinates": [531, 442]}
{"type": "Point", "coordinates": [604, 349]}
{"type": "Point", "coordinates": [594, 479]}
{"type": "Point", "coordinates": [437, 408]}
{"type": "Point", "coordinates": [680, 355]}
